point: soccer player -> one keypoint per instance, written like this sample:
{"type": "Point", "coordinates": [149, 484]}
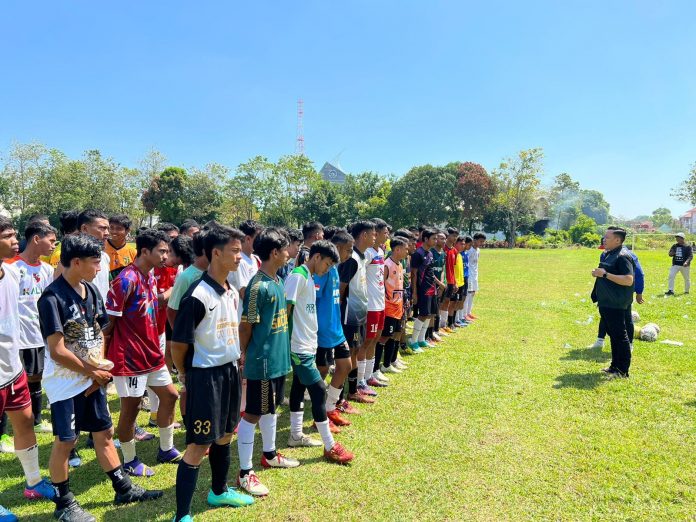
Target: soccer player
{"type": "Point", "coordinates": [374, 271]}
{"type": "Point", "coordinates": [295, 236]}
{"type": "Point", "coordinates": [302, 314]}
{"type": "Point", "coordinates": [34, 276]}
{"type": "Point", "coordinates": [121, 253]}
{"type": "Point", "coordinates": [393, 306]}
{"type": "Point", "coordinates": [190, 228]}
{"type": "Point", "coordinates": [206, 352]}
{"type": "Point", "coordinates": [15, 399]}
{"type": "Point", "coordinates": [473, 283]}
{"type": "Point", "coordinates": [135, 351]}
{"type": "Point", "coordinates": [311, 232]}
{"type": "Point", "coordinates": [250, 262]}
{"type": "Point", "coordinates": [265, 347]}
{"type": "Point", "coordinates": [68, 226]}
{"type": "Point", "coordinates": [423, 284]}
{"type": "Point", "coordinates": [333, 348]}
{"type": "Point", "coordinates": [72, 316]}
{"type": "Point", "coordinates": [353, 276]}
{"type": "Point", "coordinates": [438, 271]}
{"type": "Point", "coordinates": [449, 279]}
{"type": "Point", "coordinates": [406, 266]}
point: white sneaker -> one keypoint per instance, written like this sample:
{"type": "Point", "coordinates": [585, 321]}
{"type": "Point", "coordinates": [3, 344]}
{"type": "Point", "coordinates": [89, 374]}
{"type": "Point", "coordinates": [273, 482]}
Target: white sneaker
{"type": "Point", "coordinates": [279, 461]}
{"type": "Point", "coordinates": [380, 376]}
{"type": "Point", "coordinates": [305, 441]}
{"type": "Point", "coordinates": [43, 427]}
{"type": "Point", "coordinates": [6, 444]}
{"type": "Point", "coordinates": [401, 365]}
{"type": "Point", "coordinates": [436, 336]}
{"type": "Point", "coordinates": [307, 398]}
{"type": "Point", "coordinates": [251, 484]}
{"type": "Point", "coordinates": [390, 369]}
{"type": "Point", "coordinates": [597, 344]}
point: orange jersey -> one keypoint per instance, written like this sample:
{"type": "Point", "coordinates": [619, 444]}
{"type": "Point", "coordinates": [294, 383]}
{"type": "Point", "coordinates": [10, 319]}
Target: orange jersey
{"type": "Point", "coordinates": [393, 289]}
{"type": "Point", "coordinates": [120, 257]}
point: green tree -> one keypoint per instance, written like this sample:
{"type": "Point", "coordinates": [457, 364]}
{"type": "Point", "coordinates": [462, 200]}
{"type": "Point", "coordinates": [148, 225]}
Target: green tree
{"type": "Point", "coordinates": [593, 204]}
{"type": "Point", "coordinates": [23, 166]}
{"type": "Point", "coordinates": [583, 225]}
{"type": "Point", "coordinates": [662, 216]}
{"type": "Point", "coordinates": [474, 190]}
{"type": "Point", "coordinates": [686, 191]}
{"type": "Point", "coordinates": [167, 194]}
{"type": "Point", "coordinates": [564, 201]}
{"type": "Point", "coordinates": [203, 197]}
{"type": "Point", "coordinates": [517, 181]}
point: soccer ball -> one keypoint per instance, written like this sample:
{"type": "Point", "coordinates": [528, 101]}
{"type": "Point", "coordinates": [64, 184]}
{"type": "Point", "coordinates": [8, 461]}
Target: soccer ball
{"type": "Point", "coordinates": [648, 333]}
{"type": "Point", "coordinates": [635, 316]}
{"type": "Point", "coordinates": [653, 325]}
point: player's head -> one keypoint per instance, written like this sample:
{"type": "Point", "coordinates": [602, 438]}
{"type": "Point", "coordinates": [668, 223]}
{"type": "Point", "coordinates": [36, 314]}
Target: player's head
{"type": "Point", "coordinates": [479, 239]}
{"type": "Point", "coordinates": [181, 251]}
{"type": "Point", "coordinates": [364, 234]}
{"type": "Point", "coordinates": [614, 237]}
{"type": "Point", "coordinates": [322, 255]}
{"type": "Point", "coordinates": [344, 244]}
{"type": "Point", "coordinates": [251, 229]}
{"type": "Point", "coordinates": [468, 242]}
{"type": "Point", "coordinates": [119, 228]}
{"type": "Point", "coordinates": [189, 227]}
{"type": "Point", "coordinates": [312, 231]}
{"type": "Point", "coordinates": [296, 238]}
{"type": "Point", "coordinates": [93, 222]}
{"type": "Point", "coordinates": [409, 237]}
{"type": "Point", "coordinates": [152, 247]}
{"type": "Point", "coordinates": [223, 247]}
{"type": "Point", "coordinates": [428, 237]}
{"type": "Point", "coordinates": [331, 230]}
{"type": "Point", "coordinates": [41, 238]}
{"type": "Point", "coordinates": [399, 248]}
{"type": "Point", "coordinates": [197, 243]}
{"type": "Point", "coordinates": [452, 235]}
{"type": "Point", "coordinates": [9, 246]}
{"type": "Point", "coordinates": [382, 230]}
{"type": "Point", "coordinates": [440, 239]}
{"type": "Point", "coordinates": [168, 228]}
{"type": "Point", "coordinates": [271, 245]}
{"type": "Point", "coordinates": [80, 254]}
{"type": "Point", "coordinates": [68, 222]}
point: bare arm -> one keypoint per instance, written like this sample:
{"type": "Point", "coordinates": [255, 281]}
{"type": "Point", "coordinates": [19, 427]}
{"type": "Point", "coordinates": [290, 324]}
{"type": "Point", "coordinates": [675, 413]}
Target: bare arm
{"type": "Point", "coordinates": [179, 351]}
{"type": "Point", "coordinates": [64, 357]}
{"type": "Point", "coordinates": [171, 316]}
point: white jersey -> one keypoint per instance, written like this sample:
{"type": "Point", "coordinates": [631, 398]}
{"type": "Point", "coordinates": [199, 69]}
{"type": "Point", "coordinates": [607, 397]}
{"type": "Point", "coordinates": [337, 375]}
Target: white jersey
{"type": "Point", "coordinates": [472, 264]}
{"type": "Point", "coordinates": [33, 280]}
{"type": "Point", "coordinates": [374, 268]}
{"type": "Point", "coordinates": [301, 293]}
{"type": "Point", "coordinates": [248, 267]}
{"type": "Point", "coordinates": [10, 364]}
{"type": "Point", "coordinates": [102, 279]}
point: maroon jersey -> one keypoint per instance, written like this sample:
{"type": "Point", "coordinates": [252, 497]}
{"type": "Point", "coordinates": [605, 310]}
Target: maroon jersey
{"type": "Point", "coordinates": [134, 347]}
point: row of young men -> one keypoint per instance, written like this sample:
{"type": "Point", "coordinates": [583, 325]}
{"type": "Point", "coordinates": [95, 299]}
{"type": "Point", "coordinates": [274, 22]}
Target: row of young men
{"type": "Point", "coordinates": [142, 366]}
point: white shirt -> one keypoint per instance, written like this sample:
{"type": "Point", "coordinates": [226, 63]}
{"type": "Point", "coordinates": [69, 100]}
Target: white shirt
{"type": "Point", "coordinates": [33, 280]}
{"type": "Point", "coordinates": [374, 268]}
{"type": "Point", "coordinates": [301, 293]}
{"type": "Point", "coordinates": [247, 269]}
{"type": "Point", "coordinates": [10, 364]}
{"type": "Point", "coordinates": [102, 279]}
{"type": "Point", "coordinates": [472, 263]}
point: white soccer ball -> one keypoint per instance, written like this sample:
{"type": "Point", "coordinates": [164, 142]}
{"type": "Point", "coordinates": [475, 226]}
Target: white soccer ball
{"type": "Point", "coordinates": [648, 333]}
{"type": "Point", "coordinates": [635, 316]}
{"type": "Point", "coordinates": [653, 325]}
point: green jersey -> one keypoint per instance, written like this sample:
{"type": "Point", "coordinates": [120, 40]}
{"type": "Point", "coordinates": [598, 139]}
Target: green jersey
{"type": "Point", "coordinates": [183, 281]}
{"type": "Point", "coordinates": [438, 263]}
{"type": "Point", "coordinates": [268, 352]}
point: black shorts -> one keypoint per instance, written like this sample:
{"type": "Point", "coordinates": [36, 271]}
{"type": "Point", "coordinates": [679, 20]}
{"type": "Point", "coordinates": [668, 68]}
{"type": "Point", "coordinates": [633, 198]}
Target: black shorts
{"type": "Point", "coordinates": [33, 360]}
{"type": "Point", "coordinates": [328, 356]}
{"type": "Point", "coordinates": [167, 331]}
{"type": "Point", "coordinates": [424, 305]}
{"type": "Point", "coordinates": [213, 397]}
{"type": "Point", "coordinates": [451, 292]}
{"type": "Point", "coordinates": [261, 395]}
{"type": "Point", "coordinates": [80, 413]}
{"type": "Point", "coordinates": [392, 326]}
{"type": "Point", "coordinates": [355, 335]}
{"type": "Point", "coordinates": [462, 293]}
{"type": "Point", "coordinates": [435, 305]}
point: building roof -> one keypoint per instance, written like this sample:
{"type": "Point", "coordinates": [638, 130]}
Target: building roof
{"type": "Point", "coordinates": [688, 213]}
{"type": "Point", "coordinates": [332, 173]}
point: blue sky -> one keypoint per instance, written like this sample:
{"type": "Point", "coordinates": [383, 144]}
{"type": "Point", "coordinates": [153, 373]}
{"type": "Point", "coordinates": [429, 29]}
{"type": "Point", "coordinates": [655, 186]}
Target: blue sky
{"type": "Point", "coordinates": [606, 88]}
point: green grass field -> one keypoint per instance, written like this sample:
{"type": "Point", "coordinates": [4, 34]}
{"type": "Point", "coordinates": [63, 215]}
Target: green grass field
{"type": "Point", "coordinates": [509, 419]}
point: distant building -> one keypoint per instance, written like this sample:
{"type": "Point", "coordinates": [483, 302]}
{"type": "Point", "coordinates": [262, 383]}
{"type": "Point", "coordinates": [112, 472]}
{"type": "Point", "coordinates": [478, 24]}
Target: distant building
{"type": "Point", "coordinates": [688, 221]}
{"type": "Point", "coordinates": [332, 173]}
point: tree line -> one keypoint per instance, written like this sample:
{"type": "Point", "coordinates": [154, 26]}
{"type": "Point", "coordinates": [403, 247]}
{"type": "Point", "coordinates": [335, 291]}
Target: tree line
{"type": "Point", "coordinates": [36, 179]}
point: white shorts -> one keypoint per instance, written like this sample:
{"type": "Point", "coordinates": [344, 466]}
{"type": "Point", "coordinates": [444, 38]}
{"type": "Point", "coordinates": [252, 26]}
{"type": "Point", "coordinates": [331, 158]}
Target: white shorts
{"type": "Point", "coordinates": [163, 342]}
{"type": "Point", "coordinates": [134, 385]}
{"type": "Point", "coordinates": [472, 285]}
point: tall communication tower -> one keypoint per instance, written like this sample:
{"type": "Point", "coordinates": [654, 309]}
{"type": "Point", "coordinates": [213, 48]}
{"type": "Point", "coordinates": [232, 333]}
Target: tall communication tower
{"type": "Point", "coordinates": [299, 145]}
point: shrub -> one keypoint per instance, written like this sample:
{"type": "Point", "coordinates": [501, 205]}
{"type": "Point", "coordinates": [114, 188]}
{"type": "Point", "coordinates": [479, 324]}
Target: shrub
{"type": "Point", "coordinates": [583, 225]}
{"type": "Point", "coordinates": [590, 239]}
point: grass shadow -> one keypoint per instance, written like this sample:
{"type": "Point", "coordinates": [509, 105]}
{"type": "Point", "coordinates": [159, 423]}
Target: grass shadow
{"type": "Point", "coordinates": [587, 354]}
{"type": "Point", "coordinates": [691, 403]}
{"type": "Point", "coordinates": [580, 381]}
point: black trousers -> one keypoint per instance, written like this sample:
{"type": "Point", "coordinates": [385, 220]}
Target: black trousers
{"type": "Point", "coordinates": [602, 333]}
{"type": "Point", "coordinates": [615, 322]}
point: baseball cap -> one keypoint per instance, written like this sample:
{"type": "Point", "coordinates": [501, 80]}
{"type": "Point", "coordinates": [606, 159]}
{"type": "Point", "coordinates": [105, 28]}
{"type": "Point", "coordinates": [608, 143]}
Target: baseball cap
{"type": "Point", "coordinates": [680, 234]}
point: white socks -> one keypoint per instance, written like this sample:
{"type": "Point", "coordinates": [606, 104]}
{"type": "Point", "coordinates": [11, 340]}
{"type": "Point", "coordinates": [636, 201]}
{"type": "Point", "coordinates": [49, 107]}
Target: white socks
{"type": "Point", "coordinates": [166, 438]}
{"type": "Point", "coordinates": [267, 425]}
{"type": "Point", "coordinates": [128, 450]}
{"type": "Point", "coordinates": [325, 433]}
{"type": "Point", "coordinates": [469, 305]}
{"type": "Point", "coordinates": [423, 331]}
{"type": "Point", "coordinates": [245, 443]}
{"type": "Point", "coordinates": [443, 318]}
{"type": "Point", "coordinates": [29, 458]}
{"type": "Point", "coordinates": [332, 395]}
{"type": "Point", "coordinates": [369, 369]}
{"type": "Point", "coordinates": [154, 401]}
{"type": "Point", "coordinates": [361, 370]}
{"type": "Point", "coordinates": [296, 419]}
{"type": "Point", "coordinates": [417, 326]}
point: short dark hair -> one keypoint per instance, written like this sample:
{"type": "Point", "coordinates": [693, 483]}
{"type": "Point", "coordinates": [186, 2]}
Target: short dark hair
{"type": "Point", "coordinates": [149, 239]}
{"type": "Point", "coordinates": [88, 216]}
{"type": "Point", "coordinates": [121, 220]}
{"type": "Point", "coordinates": [380, 224]}
{"type": "Point", "coordinates": [331, 230]}
{"type": "Point", "coordinates": [218, 237]}
{"type": "Point", "coordinates": [5, 223]}
{"type": "Point", "coordinates": [359, 227]}
{"type": "Point", "coordinates": [397, 241]}
{"type": "Point", "coordinates": [37, 218]}
{"type": "Point", "coordinates": [268, 240]}
{"type": "Point", "coordinates": [167, 227]}
{"type": "Point", "coordinates": [68, 221]}
{"type": "Point", "coordinates": [451, 231]}
{"type": "Point", "coordinates": [250, 227]}
{"type": "Point", "coordinates": [79, 246]}
{"type": "Point", "coordinates": [311, 228]}
{"type": "Point", "coordinates": [38, 228]}
{"type": "Point", "coordinates": [141, 230]}
{"type": "Point", "coordinates": [479, 235]}
{"type": "Point", "coordinates": [324, 249]}
{"type": "Point", "coordinates": [197, 242]}
{"type": "Point", "coordinates": [341, 238]}
{"type": "Point", "coordinates": [405, 233]}
{"type": "Point", "coordinates": [468, 239]}
{"type": "Point", "coordinates": [187, 224]}
{"type": "Point", "coordinates": [182, 246]}
{"type": "Point", "coordinates": [463, 239]}
{"type": "Point", "coordinates": [427, 233]}
{"type": "Point", "coordinates": [294, 234]}
{"type": "Point", "coordinates": [618, 231]}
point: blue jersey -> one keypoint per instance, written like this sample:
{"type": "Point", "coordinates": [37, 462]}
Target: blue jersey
{"type": "Point", "coordinates": [465, 260]}
{"type": "Point", "coordinates": [328, 287]}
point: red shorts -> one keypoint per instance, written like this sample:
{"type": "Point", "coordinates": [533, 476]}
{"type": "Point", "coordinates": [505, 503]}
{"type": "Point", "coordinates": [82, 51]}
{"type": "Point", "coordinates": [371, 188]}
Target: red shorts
{"type": "Point", "coordinates": [15, 396]}
{"type": "Point", "coordinates": [375, 324]}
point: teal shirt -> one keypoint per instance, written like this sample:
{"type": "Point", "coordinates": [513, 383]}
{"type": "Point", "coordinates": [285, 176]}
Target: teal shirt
{"type": "Point", "coordinates": [265, 309]}
{"type": "Point", "coordinates": [183, 282]}
{"type": "Point", "coordinates": [438, 263]}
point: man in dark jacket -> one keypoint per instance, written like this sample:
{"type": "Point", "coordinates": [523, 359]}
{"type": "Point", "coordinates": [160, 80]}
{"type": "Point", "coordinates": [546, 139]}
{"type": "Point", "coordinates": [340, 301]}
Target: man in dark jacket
{"type": "Point", "coordinates": [613, 293]}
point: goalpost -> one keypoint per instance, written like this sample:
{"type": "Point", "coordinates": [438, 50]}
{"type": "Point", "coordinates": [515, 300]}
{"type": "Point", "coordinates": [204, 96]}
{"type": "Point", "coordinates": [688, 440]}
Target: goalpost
{"type": "Point", "coordinates": [655, 241]}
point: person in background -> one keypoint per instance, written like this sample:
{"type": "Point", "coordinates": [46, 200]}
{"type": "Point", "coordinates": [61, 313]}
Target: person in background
{"type": "Point", "coordinates": [295, 236]}
{"type": "Point", "coordinates": [681, 255]}
{"type": "Point", "coordinates": [189, 228]}
{"type": "Point", "coordinates": [117, 247]}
